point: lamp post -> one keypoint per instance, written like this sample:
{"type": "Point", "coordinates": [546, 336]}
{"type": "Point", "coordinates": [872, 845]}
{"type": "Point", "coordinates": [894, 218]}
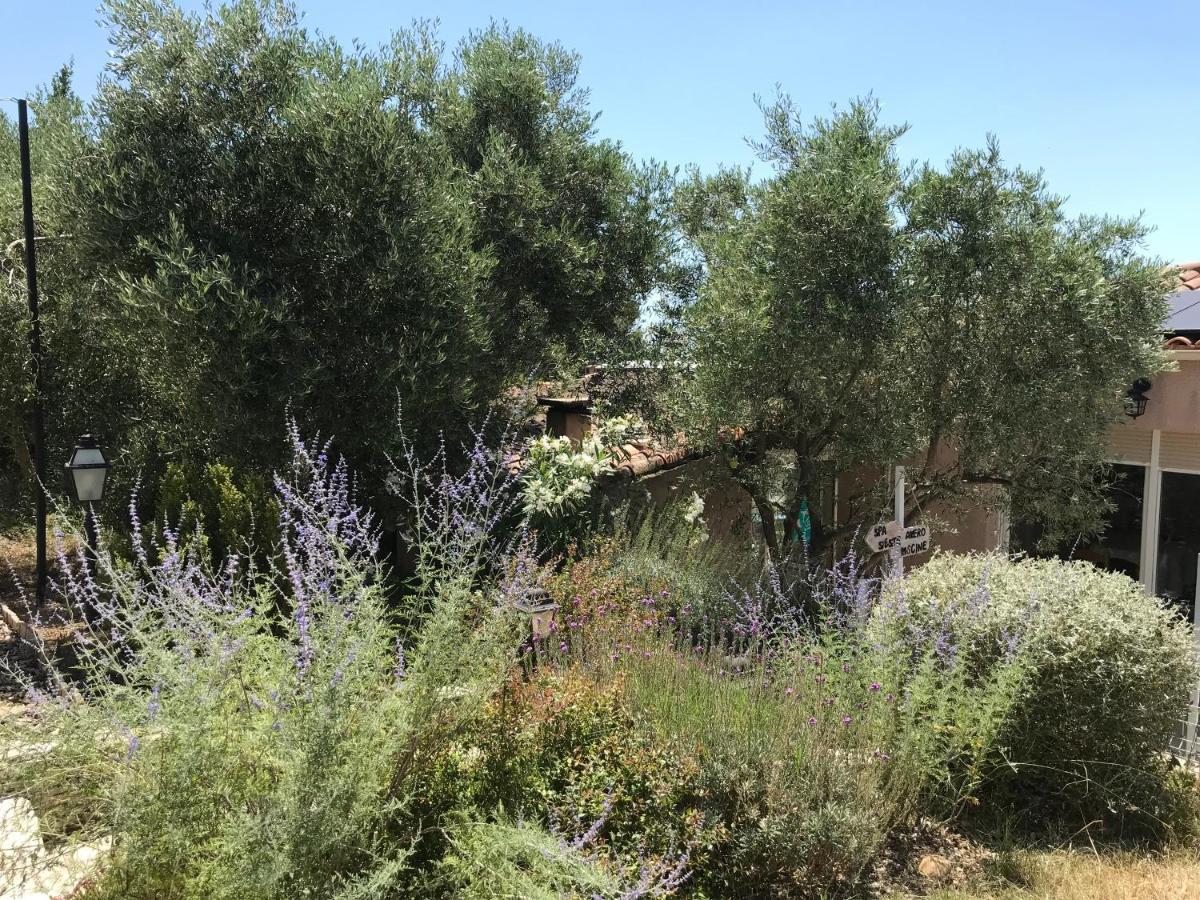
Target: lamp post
{"type": "Point", "coordinates": [1136, 399]}
{"type": "Point", "coordinates": [85, 473]}
{"type": "Point", "coordinates": [37, 423]}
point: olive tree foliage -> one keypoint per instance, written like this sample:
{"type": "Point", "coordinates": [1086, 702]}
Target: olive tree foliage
{"type": "Point", "coordinates": [573, 228]}
{"type": "Point", "coordinates": [857, 312]}
{"type": "Point", "coordinates": [264, 220]}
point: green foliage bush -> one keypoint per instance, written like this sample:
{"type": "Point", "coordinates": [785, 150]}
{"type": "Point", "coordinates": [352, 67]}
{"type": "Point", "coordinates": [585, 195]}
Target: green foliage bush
{"type": "Point", "coordinates": [812, 751]}
{"type": "Point", "coordinates": [560, 747]}
{"type": "Point", "coordinates": [259, 732]}
{"type": "Point", "coordinates": [812, 743]}
{"type": "Point", "coordinates": [1109, 671]}
{"type": "Point", "coordinates": [503, 861]}
{"type": "Point", "coordinates": [233, 513]}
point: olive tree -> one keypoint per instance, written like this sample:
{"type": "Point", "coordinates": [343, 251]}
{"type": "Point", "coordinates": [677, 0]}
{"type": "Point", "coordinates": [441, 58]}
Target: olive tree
{"type": "Point", "coordinates": [262, 220]}
{"type": "Point", "coordinates": [857, 311]}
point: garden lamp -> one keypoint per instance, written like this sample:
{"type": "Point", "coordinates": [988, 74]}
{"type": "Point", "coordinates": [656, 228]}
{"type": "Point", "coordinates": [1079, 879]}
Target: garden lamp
{"type": "Point", "coordinates": [540, 610]}
{"type": "Point", "coordinates": [86, 471]}
{"type": "Point", "coordinates": [1136, 399]}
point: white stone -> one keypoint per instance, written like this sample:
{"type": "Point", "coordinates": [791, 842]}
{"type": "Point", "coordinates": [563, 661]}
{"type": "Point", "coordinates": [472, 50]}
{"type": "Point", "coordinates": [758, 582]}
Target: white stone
{"type": "Point", "coordinates": [18, 752]}
{"type": "Point", "coordinates": [27, 870]}
{"type": "Point", "coordinates": [20, 848]}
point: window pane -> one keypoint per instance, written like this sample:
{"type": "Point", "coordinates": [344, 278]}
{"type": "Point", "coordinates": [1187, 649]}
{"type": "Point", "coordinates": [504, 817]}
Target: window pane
{"type": "Point", "coordinates": [1118, 547]}
{"type": "Point", "coordinates": [1178, 539]}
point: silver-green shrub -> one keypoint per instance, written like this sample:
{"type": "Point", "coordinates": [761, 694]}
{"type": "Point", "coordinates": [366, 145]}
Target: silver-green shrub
{"type": "Point", "coordinates": [1108, 672]}
{"type": "Point", "coordinates": [259, 734]}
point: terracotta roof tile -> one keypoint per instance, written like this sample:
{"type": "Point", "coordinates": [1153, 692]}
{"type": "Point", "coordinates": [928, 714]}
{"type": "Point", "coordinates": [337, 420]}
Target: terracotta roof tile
{"type": "Point", "coordinates": [1181, 343]}
{"type": "Point", "coordinates": [1187, 276]}
{"type": "Point", "coordinates": [641, 459]}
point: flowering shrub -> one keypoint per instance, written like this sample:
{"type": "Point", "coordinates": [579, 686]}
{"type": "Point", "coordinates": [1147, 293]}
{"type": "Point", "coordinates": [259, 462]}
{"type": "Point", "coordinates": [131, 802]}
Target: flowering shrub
{"type": "Point", "coordinates": [558, 478]}
{"type": "Point", "coordinates": [561, 743]}
{"type": "Point", "coordinates": [278, 732]}
{"type": "Point", "coordinates": [1109, 670]}
{"type": "Point", "coordinates": [814, 740]}
{"type": "Point", "coordinates": [259, 733]}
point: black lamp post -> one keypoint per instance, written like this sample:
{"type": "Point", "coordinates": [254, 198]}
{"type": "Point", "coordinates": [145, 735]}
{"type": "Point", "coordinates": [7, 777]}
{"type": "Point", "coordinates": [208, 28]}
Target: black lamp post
{"type": "Point", "coordinates": [85, 473]}
{"type": "Point", "coordinates": [38, 434]}
{"type": "Point", "coordinates": [1136, 399]}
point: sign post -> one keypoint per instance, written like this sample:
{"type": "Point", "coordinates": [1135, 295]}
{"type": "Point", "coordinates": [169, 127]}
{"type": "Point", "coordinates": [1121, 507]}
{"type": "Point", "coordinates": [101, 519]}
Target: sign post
{"type": "Point", "coordinates": [895, 535]}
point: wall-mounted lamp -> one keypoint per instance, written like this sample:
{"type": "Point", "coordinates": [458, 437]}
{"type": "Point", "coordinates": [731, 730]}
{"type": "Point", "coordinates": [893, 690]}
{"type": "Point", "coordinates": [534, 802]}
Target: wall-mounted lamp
{"type": "Point", "coordinates": [1136, 399]}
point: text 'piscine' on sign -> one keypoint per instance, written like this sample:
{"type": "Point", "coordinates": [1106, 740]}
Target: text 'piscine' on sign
{"type": "Point", "coordinates": [909, 539]}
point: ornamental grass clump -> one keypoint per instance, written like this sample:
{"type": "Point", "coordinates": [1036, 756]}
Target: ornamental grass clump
{"type": "Point", "coordinates": [1108, 675]}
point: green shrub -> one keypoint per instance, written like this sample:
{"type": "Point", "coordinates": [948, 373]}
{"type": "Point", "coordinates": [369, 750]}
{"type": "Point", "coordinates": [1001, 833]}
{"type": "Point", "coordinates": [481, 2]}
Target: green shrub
{"type": "Point", "coordinates": [814, 739]}
{"type": "Point", "coordinates": [500, 861]}
{"type": "Point", "coordinates": [1109, 670]}
{"type": "Point", "coordinates": [231, 512]}
{"type": "Point", "coordinates": [671, 546]}
{"type": "Point", "coordinates": [561, 749]}
{"type": "Point", "coordinates": [812, 749]}
{"type": "Point", "coordinates": [252, 733]}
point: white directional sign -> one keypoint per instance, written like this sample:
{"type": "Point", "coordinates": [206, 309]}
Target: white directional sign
{"type": "Point", "coordinates": [892, 535]}
{"type": "Point", "coordinates": [884, 536]}
{"type": "Point", "coordinates": [914, 540]}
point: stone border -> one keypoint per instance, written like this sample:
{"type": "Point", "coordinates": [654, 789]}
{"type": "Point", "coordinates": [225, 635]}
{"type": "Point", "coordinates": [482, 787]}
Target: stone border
{"type": "Point", "coordinates": [23, 630]}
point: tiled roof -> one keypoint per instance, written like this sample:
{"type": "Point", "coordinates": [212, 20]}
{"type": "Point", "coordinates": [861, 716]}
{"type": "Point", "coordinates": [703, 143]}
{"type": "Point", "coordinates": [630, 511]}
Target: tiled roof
{"type": "Point", "coordinates": [635, 460]}
{"type": "Point", "coordinates": [1179, 342]}
{"type": "Point", "coordinates": [643, 458]}
{"type": "Point", "coordinates": [1188, 275]}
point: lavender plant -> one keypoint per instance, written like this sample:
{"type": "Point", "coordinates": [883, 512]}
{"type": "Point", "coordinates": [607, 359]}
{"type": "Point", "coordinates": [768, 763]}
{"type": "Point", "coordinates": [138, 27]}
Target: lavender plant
{"type": "Point", "coordinates": [258, 733]}
{"type": "Point", "coordinates": [459, 517]}
{"type": "Point", "coordinates": [816, 736]}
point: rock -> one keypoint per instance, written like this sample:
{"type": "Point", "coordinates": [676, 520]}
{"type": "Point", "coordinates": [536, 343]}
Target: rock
{"type": "Point", "coordinates": [934, 867]}
{"type": "Point", "coordinates": [20, 752]}
{"type": "Point", "coordinates": [27, 870]}
{"type": "Point", "coordinates": [20, 848]}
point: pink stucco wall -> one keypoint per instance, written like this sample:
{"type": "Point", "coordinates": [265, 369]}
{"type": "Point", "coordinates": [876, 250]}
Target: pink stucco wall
{"type": "Point", "coordinates": [1174, 397]}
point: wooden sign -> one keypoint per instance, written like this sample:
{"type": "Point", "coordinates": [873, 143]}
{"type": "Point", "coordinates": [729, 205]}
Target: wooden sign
{"type": "Point", "coordinates": [884, 536]}
{"type": "Point", "coordinates": [909, 540]}
{"type": "Point", "coordinates": [915, 539]}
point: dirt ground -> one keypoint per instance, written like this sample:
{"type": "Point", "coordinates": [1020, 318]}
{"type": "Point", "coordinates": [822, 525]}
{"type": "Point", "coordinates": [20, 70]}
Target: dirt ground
{"type": "Point", "coordinates": [18, 575]}
{"type": "Point", "coordinates": [1082, 876]}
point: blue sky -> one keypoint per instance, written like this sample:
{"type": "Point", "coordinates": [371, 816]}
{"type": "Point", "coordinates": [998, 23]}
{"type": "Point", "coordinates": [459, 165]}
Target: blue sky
{"type": "Point", "coordinates": [1102, 95]}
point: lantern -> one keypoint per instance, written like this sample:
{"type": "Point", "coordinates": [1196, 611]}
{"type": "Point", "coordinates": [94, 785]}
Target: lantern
{"type": "Point", "coordinates": [86, 471]}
